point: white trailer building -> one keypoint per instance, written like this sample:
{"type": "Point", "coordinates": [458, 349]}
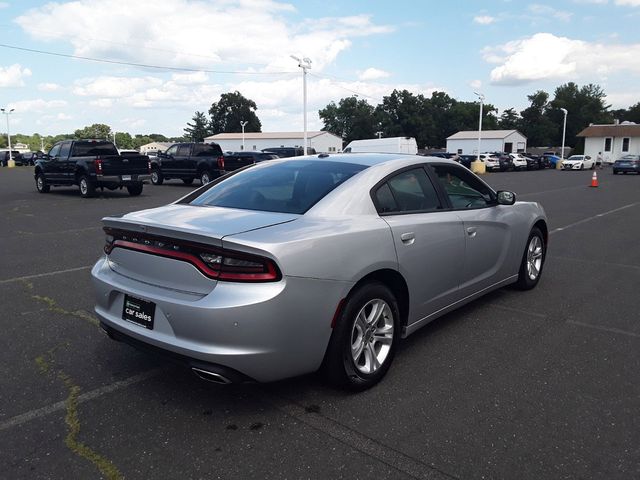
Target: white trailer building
{"type": "Point", "coordinates": [612, 141]}
{"type": "Point", "coordinates": [322, 142]}
{"type": "Point", "coordinates": [466, 142]}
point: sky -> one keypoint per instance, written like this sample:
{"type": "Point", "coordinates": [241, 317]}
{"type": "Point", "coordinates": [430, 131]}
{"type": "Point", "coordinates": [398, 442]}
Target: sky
{"type": "Point", "coordinates": [187, 53]}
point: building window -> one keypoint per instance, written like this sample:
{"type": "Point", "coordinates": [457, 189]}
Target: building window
{"type": "Point", "coordinates": [607, 144]}
{"type": "Point", "coordinates": [332, 149]}
{"type": "Point", "coordinates": [459, 151]}
{"type": "Point", "coordinates": [254, 148]}
{"type": "Point", "coordinates": [625, 144]}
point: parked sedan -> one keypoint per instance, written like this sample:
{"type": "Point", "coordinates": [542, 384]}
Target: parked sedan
{"type": "Point", "coordinates": [519, 161]}
{"type": "Point", "coordinates": [628, 163]}
{"type": "Point", "coordinates": [578, 162]}
{"type": "Point", "coordinates": [295, 265]}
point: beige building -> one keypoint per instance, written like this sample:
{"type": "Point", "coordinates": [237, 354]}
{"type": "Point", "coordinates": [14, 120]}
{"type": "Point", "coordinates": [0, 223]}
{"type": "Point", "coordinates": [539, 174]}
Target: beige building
{"type": "Point", "coordinates": [154, 147]}
{"type": "Point", "coordinates": [612, 141]}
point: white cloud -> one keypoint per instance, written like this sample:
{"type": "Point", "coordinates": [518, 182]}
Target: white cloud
{"type": "Point", "coordinates": [13, 76]}
{"type": "Point", "coordinates": [623, 99]}
{"type": "Point", "coordinates": [37, 105]}
{"type": "Point", "coordinates": [629, 3]}
{"type": "Point", "coordinates": [101, 103]}
{"type": "Point", "coordinates": [4, 4]}
{"type": "Point", "coordinates": [114, 87]}
{"type": "Point", "coordinates": [373, 74]}
{"type": "Point", "coordinates": [546, 56]}
{"type": "Point", "coordinates": [63, 116]}
{"type": "Point", "coordinates": [475, 84]}
{"type": "Point", "coordinates": [48, 87]}
{"type": "Point", "coordinates": [197, 34]}
{"type": "Point", "coordinates": [484, 19]}
{"type": "Point", "coordinates": [194, 78]}
{"type": "Point", "coordinates": [547, 11]}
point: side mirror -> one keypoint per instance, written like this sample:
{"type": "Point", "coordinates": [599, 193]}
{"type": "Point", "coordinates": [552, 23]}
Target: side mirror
{"type": "Point", "coordinates": [506, 198]}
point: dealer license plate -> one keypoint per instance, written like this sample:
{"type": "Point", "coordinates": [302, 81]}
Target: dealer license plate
{"type": "Point", "coordinates": [138, 311]}
{"type": "Point", "coordinates": [126, 177]}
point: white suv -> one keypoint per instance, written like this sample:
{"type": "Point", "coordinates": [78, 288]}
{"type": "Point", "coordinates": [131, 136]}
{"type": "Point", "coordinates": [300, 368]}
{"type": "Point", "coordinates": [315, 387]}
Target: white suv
{"type": "Point", "coordinates": [519, 161]}
{"type": "Point", "coordinates": [490, 161]}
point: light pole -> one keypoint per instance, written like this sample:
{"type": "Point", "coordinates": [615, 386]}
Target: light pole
{"type": "Point", "coordinates": [481, 97]}
{"type": "Point", "coordinates": [7, 113]}
{"type": "Point", "coordinates": [304, 64]}
{"type": "Point", "coordinates": [242, 124]}
{"type": "Point", "coordinates": [379, 134]}
{"type": "Point", "coordinates": [564, 131]}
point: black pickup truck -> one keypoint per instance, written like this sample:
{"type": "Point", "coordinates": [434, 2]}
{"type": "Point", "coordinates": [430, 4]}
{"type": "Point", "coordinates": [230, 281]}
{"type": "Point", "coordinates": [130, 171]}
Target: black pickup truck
{"type": "Point", "coordinates": [91, 164]}
{"type": "Point", "coordinates": [188, 161]}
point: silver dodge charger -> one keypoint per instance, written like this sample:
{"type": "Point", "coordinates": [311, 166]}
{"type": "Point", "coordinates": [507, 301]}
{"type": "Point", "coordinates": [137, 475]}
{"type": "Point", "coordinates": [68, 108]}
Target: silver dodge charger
{"type": "Point", "coordinates": [319, 262]}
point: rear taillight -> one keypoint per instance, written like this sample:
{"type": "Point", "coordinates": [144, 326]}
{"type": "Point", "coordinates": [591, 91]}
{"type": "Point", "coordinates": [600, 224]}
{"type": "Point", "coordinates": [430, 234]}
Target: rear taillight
{"type": "Point", "coordinates": [213, 262]}
{"type": "Point", "coordinates": [98, 164]}
{"type": "Point", "coordinates": [149, 166]}
{"type": "Point", "coordinates": [221, 163]}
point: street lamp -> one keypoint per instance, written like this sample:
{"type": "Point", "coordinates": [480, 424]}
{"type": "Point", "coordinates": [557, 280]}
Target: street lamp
{"type": "Point", "coordinates": [379, 134]}
{"type": "Point", "coordinates": [304, 64]}
{"type": "Point", "coordinates": [242, 124]}
{"type": "Point", "coordinates": [564, 130]}
{"type": "Point", "coordinates": [7, 113]}
{"type": "Point", "coordinates": [481, 97]}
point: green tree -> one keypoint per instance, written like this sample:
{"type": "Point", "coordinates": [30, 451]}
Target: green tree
{"type": "Point", "coordinates": [509, 120]}
{"type": "Point", "coordinates": [535, 124]}
{"type": "Point", "coordinates": [97, 131]}
{"type": "Point", "coordinates": [403, 114]}
{"type": "Point", "coordinates": [585, 105]}
{"type": "Point", "coordinates": [199, 129]}
{"type": "Point", "coordinates": [124, 140]}
{"type": "Point", "coordinates": [232, 109]}
{"type": "Point", "coordinates": [351, 119]}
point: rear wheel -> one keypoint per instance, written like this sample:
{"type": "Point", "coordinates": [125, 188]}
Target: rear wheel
{"type": "Point", "coordinates": [532, 261]}
{"type": "Point", "coordinates": [135, 190]}
{"type": "Point", "coordinates": [41, 184]}
{"type": "Point", "coordinates": [156, 177]}
{"type": "Point", "coordinates": [87, 187]}
{"type": "Point", "coordinates": [205, 177]}
{"type": "Point", "coordinates": [364, 339]}
{"type": "Point", "coordinates": [615, 172]}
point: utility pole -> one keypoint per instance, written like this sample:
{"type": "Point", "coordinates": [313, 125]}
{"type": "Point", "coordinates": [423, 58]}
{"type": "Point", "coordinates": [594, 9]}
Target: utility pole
{"type": "Point", "coordinates": [242, 124]}
{"type": "Point", "coordinates": [11, 162]}
{"type": "Point", "coordinates": [304, 64]}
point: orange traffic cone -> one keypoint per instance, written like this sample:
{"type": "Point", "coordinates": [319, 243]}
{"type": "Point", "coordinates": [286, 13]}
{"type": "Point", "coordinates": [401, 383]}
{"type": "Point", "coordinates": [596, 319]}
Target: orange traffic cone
{"type": "Point", "coordinates": [594, 180]}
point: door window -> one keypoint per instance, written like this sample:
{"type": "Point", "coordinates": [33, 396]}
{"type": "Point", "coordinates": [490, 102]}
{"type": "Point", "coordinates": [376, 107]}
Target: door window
{"type": "Point", "coordinates": [607, 144]}
{"type": "Point", "coordinates": [625, 144]}
{"type": "Point", "coordinates": [408, 191]}
{"type": "Point", "coordinates": [172, 150]}
{"type": "Point", "coordinates": [464, 190]}
{"type": "Point", "coordinates": [183, 151]}
{"type": "Point", "coordinates": [64, 150]}
{"type": "Point", "coordinates": [54, 151]}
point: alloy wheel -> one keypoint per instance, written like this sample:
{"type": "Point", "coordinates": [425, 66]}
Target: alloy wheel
{"type": "Point", "coordinates": [372, 336]}
{"type": "Point", "coordinates": [534, 257]}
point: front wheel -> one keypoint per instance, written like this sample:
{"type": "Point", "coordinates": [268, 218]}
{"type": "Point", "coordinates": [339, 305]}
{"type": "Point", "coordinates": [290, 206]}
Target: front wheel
{"type": "Point", "coordinates": [41, 184]}
{"type": "Point", "coordinates": [134, 190]}
{"type": "Point", "coordinates": [87, 187]}
{"type": "Point", "coordinates": [364, 338]}
{"type": "Point", "coordinates": [156, 177]}
{"type": "Point", "coordinates": [187, 181]}
{"type": "Point", "coordinates": [205, 177]}
{"type": "Point", "coordinates": [532, 261]}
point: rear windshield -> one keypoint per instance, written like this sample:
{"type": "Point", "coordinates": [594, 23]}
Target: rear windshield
{"type": "Point", "coordinates": [285, 187]}
{"type": "Point", "coordinates": [86, 149]}
{"type": "Point", "coordinates": [206, 150]}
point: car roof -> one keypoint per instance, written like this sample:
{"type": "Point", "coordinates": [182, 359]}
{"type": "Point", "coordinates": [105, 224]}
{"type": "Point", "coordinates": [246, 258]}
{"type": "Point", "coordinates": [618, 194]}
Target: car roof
{"type": "Point", "coordinates": [371, 159]}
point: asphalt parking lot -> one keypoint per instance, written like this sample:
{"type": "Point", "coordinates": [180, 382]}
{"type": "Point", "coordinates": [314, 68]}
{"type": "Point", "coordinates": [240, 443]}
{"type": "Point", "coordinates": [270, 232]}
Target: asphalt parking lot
{"type": "Point", "coordinates": [540, 384]}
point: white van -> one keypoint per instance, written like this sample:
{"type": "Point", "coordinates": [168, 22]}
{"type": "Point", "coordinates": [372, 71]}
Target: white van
{"type": "Point", "coordinates": [383, 145]}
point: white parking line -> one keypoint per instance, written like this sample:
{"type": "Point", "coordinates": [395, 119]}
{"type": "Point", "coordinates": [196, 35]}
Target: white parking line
{"type": "Point", "coordinates": [85, 397]}
{"type": "Point", "coordinates": [585, 220]}
{"type": "Point", "coordinates": [40, 275]}
{"type": "Point", "coordinates": [604, 329]}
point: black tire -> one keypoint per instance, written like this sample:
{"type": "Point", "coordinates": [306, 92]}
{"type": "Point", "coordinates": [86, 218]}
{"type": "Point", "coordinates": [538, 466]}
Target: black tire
{"type": "Point", "coordinates": [525, 274]}
{"type": "Point", "coordinates": [615, 172]}
{"type": "Point", "coordinates": [87, 187]}
{"type": "Point", "coordinates": [187, 181]}
{"type": "Point", "coordinates": [41, 184]}
{"type": "Point", "coordinates": [135, 190]}
{"type": "Point", "coordinates": [205, 177]}
{"type": "Point", "coordinates": [156, 176]}
{"type": "Point", "coordinates": [339, 365]}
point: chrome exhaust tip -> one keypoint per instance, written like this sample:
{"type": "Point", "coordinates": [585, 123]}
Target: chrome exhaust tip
{"type": "Point", "coordinates": [211, 376]}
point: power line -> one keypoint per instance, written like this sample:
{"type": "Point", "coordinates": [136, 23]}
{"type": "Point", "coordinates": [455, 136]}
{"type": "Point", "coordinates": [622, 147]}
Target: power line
{"type": "Point", "coordinates": [355, 92]}
{"type": "Point", "coordinates": [142, 65]}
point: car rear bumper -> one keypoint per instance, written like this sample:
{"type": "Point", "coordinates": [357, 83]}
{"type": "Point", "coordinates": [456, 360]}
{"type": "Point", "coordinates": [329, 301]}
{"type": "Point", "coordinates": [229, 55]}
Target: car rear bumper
{"type": "Point", "coordinates": [262, 331]}
{"type": "Point", "coordinates": [122, 180]}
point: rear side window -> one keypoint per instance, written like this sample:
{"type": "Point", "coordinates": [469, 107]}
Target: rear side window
{"type": "Point", "coordinates": [88, 149]}
{"type": "Point", "coordinates": [285, 187]}
{"type": "Point", "coordinates": [408, 191]}
{"type": "Point", "coordinates": [206, 150]}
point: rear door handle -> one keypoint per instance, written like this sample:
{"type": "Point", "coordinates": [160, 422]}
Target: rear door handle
{"type": "Point", "coordinates": [408, 238]}
{"type": "Point", "coordinates": [472, 231]}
